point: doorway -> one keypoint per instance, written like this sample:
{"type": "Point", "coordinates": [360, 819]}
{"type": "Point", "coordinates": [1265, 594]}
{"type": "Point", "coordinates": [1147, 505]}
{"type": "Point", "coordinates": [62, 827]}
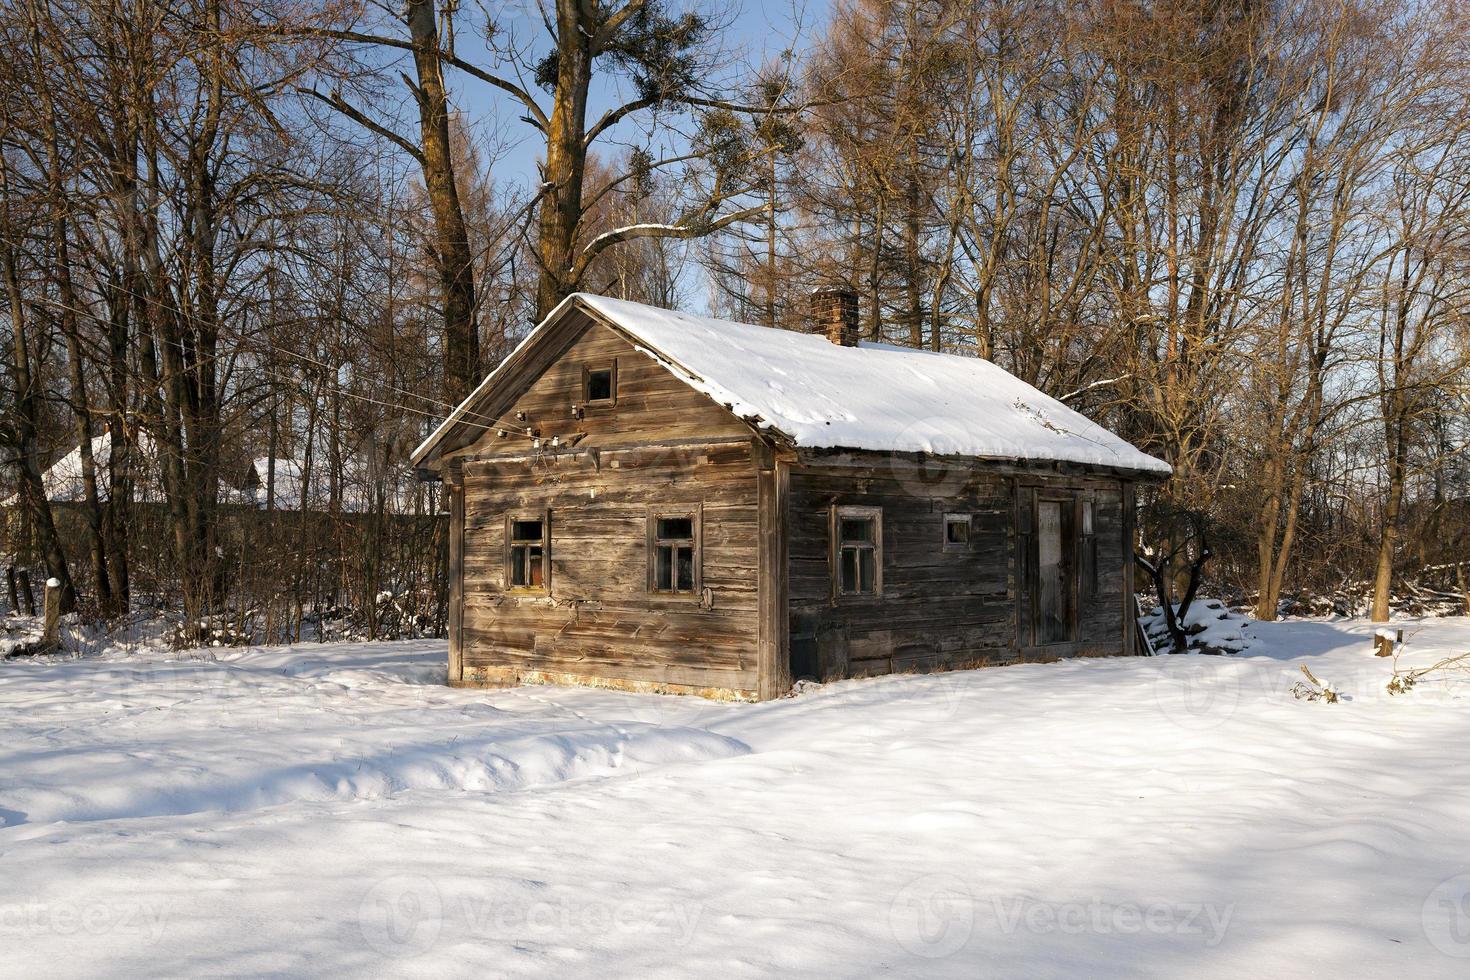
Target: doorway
{"type": "Point", "coordinates": [1056, 572]}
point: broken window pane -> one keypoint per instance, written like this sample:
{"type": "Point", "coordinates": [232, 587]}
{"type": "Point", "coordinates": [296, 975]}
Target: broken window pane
{"type": "Point", "coordinates": [600, 385]}
{"type": "Point", "coordinates": [676, 528]}
{"type": "Point", "coordinates": [956, 530]}
{"type": "Point", "coordinates": [685, 582]}
{"type": "Point", "coordinates": [527, 554]}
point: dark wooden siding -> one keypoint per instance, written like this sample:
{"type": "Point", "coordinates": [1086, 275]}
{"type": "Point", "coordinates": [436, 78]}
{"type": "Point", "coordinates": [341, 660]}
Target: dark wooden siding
{"type": "Point", "coordinates": [1100, 618]}
{"type": "Point", "coordinates": [662, 445]}
{"type": "Point", "coordinates": [939, 608]}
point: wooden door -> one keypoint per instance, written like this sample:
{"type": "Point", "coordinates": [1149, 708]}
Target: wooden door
{"type": "Point", "coordinates": [1055, 572]}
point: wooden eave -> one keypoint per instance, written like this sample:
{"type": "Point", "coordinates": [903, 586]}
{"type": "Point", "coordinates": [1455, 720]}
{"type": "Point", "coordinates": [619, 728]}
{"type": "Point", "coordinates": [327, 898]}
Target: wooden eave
{"type": "Point", "coordinates": [1003, 465]}
{"type": "Point", "coordinates": [500, 389]}
{"type": "Point", "coordinates": [514, 376]}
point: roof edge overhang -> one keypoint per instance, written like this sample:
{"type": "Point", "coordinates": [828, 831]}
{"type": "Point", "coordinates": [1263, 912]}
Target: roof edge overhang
{"type": "Point", "coordinates": [424, 460]}
{"type": "Point", "coordinates": [1037, 466]}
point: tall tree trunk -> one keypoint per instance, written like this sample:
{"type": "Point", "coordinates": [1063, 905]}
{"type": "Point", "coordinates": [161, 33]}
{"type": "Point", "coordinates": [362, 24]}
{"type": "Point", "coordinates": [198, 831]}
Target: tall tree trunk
{"type": "Point", "coordinates": [1270, 514]}
{"type": "Point", "coordinates": [81, 404]}
{"type": "Point", "coordinates": [913, 286]}
{"type": "Point", "coordinates": [32, 488]}
{"type": "Point", "coordinates": [566, 158]}
{"type": "Point", "coordinates": [451, 238]}
{"type": "Point", "coordinates": [117, 517]}
{"type": "Point", "coordinates": [82, 415]}
{"type": "Point", "coordinates": [1388, 534]}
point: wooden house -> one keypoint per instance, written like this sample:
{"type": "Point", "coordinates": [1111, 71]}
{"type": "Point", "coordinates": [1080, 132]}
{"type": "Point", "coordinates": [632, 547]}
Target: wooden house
{"type": "Point", "coordinates": [651, 500]}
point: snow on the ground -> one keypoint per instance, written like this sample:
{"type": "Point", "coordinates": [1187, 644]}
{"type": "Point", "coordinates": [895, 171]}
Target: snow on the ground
{"type": "Point", "coordinates": [18, 634]}
{"type": "Point", "coordinates": [1211, 626]}
{"type": "Point", "coordinates": [334, 810]}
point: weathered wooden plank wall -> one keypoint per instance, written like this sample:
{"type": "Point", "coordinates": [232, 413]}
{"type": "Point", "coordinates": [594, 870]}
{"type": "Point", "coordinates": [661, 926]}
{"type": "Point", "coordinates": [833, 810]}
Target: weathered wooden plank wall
{"type": "Point", "coordinates": [773, 575]}
{"type": "Point", "coordinates": [660, 447]}
{"type": "Point", "coordinates": [456, 574]}
{"type": "Point", "coordinates": [939, 607]}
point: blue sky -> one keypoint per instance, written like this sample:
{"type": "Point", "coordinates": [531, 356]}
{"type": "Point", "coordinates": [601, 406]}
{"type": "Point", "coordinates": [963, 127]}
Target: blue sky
{"type": "Point", "coordinates": [757, 31]}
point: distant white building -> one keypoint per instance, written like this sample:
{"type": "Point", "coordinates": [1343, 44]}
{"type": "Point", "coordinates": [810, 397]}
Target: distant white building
{"type": "Point", "coordinates": [357, 492]}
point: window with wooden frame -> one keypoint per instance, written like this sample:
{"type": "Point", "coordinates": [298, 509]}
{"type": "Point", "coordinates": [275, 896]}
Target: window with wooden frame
{"type": "Point", "coordinates": [957, 528]}
{"type": "Point", "coordinates": [1088, 544]}
{"type": "Point", "coordinates": [674, 559]}
{"type": "Point", "coordinates": [857, 551]}
{"type": "Point", "coordinates": [528, 552]}
{"type": "Point", "coordinates": [1025, 536]}
{"type": "Point", "coordinates": [600, 383]}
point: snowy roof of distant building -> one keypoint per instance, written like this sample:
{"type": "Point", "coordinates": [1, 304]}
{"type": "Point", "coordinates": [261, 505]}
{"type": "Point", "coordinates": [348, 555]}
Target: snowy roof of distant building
{"type": "Point", "coordinates": [358, 488]}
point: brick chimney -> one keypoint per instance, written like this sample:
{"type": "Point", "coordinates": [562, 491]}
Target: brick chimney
{"type": "Point", "coordinates": [835, 314]}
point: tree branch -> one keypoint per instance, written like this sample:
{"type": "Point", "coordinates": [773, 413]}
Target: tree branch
{"type": "Point", "coordinates": [614, 23]}
{"type": "Point", "coordinates": [356, 37]}
{"type": "Point", "coordinates": [756, 110]}
{"type": "Point", "coordinates": [612, 117]}
{"type": "Point", "coordinates": [683, 231]}
{"type": "Point", "coordinates": [538, 119]}
{"type": "Point", "coordinates": [1092, 385]}
{"type": "Point", "coordinates": [336, 102]}
{"type": "Point", "coordinates": [617, 182]}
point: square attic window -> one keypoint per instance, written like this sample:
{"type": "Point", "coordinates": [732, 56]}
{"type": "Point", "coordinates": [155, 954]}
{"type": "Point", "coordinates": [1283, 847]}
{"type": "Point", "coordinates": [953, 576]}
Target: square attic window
{"type": "Point", "coordinates": [956, 532]}
{"type": "Point", "coordinates": [600, 384]}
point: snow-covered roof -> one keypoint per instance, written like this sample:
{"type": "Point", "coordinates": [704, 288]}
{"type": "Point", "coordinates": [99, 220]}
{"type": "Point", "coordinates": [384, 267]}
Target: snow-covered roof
{"type": "Point", "coordinates": [356, 494]}
{"type": "Point", "coordinates": [63, 479]}
{"type": "Point", "coordinates": [64, 484]}
{"type": "Point", "coordinates": [821, 395]}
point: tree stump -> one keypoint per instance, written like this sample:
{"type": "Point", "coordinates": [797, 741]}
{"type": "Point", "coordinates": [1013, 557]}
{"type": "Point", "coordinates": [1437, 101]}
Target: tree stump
{"type": "Point", "coordinates": [1384, 642]}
